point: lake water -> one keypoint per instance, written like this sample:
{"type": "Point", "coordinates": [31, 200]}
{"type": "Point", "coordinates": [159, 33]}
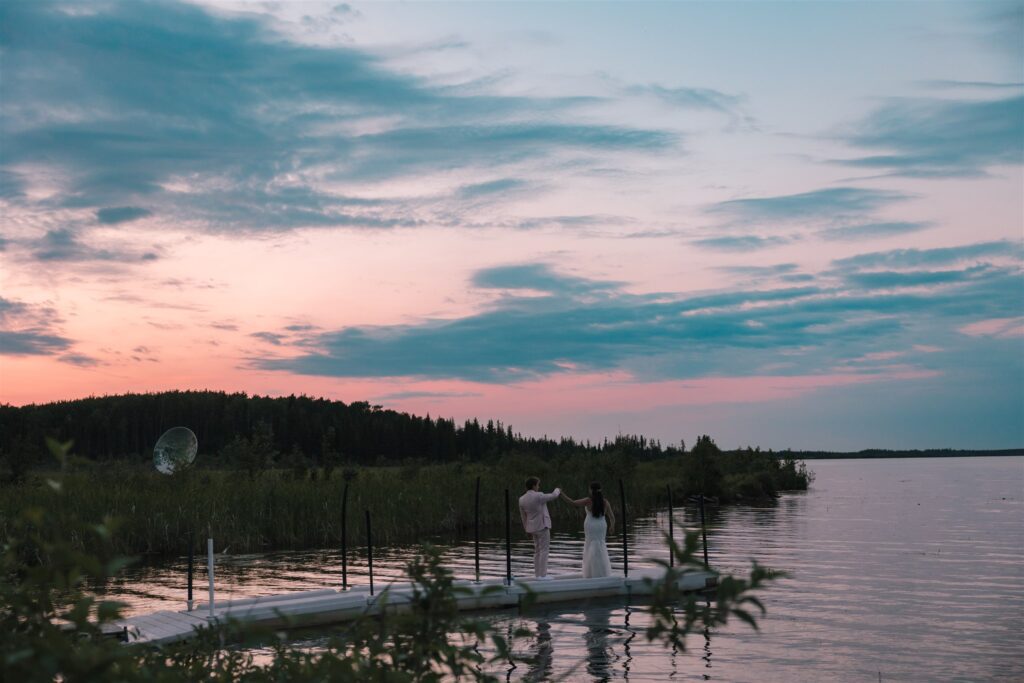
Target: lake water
{"type": "Point", "coordinates": [901, 570]}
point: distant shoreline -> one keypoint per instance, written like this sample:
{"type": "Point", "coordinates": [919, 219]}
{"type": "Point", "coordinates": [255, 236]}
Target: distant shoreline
{"type": "Point", "coordinates": [874, 454]}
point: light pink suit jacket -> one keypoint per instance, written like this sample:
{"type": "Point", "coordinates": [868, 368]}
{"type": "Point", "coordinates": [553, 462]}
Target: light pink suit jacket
{"type": "Point", "coordinates": [533, 506]}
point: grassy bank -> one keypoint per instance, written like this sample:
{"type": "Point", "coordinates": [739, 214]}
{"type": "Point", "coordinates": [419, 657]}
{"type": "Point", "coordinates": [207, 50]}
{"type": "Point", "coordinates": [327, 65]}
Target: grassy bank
{"type": "Point", "coordinates": [285, 509]}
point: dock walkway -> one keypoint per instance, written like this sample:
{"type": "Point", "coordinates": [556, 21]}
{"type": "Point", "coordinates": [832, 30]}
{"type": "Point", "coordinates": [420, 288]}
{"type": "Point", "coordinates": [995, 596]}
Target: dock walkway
{"type": "Point", "coordinates": [329, 606]}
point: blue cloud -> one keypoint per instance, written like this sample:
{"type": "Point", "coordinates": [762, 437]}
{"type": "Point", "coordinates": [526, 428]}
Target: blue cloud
{"type": "Point", "coordinates": [63, 245]}
{"type": "Point", "coordinates": [903, 258]}
{"type": "Point", "coordinates": [865, 231]}
{"type": "Point", "coordinates": [120, 214]}
{"type": "Point", "coordinates": [539, 277]}
{"type": "Point", "coordinates": [828, 203]}
{"type": "Point", "coordinates": [127, 96]}
{"type": "Point", "coordinates": [942, 138]}
{"type": "Point", "coordinates": [975, 85]}
{"type": "Point", "coordinates": [269, 337]}
{"type": "Point", "coordinates": [891, 279]}
{"type": "Point", "coordinates": [492, 187]}
{"type": "Point", "coordinates": [689, 97]}
{"type": "Point", "coordinates": [31, 343]}
{"type": "Point", "coordinates": [662, 335]}
{"type": "Point", "coordinates": [402, 395]}
{"type": "Point", "coordinates": [29, 330]}
{"type": "Point", "coordinates": [408, 150]}
{"type": "Point", "coordinates": [79, 360]}
{"type": "Point", "coordinates": [760, 271]}
{"type": "Point", "coordinates": [739, 242]}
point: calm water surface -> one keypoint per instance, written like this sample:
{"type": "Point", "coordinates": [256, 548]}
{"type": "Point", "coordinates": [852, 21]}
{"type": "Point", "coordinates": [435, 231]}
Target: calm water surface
{"type": "Point", "coordinates": [901, 569]}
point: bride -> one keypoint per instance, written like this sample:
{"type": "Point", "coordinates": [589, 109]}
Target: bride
{"type": "Point", "coordinates": [599, 522]}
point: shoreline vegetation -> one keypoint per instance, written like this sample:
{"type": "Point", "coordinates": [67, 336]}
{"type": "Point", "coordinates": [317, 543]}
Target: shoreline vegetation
{"type": "Point", "coordinates": [278, 509]}
{"type": "Point", "coordinates": [416, 475]}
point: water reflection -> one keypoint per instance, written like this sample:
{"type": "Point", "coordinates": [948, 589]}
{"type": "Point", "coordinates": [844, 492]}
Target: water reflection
{"type": "Point", "coordinates": [542, 663]}
{"type": "Point", "coordinates": [599, 649]}
{"type": "Point", "coordinates": [625, 647]}
{"type": "Point", "coordinates": [706, 653]}
{"type": "Point", "coordinates": [509, 633]}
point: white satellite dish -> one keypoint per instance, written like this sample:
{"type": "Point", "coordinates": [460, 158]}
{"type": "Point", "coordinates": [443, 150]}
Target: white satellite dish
{"type": "Point", "coordinates": [175, 450]}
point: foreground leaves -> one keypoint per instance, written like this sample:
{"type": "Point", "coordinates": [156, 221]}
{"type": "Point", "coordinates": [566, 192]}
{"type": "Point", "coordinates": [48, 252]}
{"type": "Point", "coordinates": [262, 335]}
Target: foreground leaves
{"type": "Point", "coordinates": [676, 613]}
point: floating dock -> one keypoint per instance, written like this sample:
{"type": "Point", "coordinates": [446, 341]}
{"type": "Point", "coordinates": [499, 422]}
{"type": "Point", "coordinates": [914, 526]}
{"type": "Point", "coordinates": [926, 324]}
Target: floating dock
{"type": "Point", "coordinates": [330, 606]}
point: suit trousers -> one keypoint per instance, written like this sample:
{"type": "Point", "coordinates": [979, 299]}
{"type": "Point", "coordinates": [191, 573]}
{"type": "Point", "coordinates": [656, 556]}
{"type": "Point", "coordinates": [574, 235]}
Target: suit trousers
{"type": "Point", "coordinates": [541, 542]}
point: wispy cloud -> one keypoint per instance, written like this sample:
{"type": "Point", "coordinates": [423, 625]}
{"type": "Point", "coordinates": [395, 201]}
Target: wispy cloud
{"type": "Point", "coordinates": [689, 97]}
{"type": "Point", "coordinates": [845, 214]}
{"type": "Point", "coordinates": [223, 124]}
{"type": "Point", "coordinates": [912, 258]}
{"type": "Point", "coordinates": [1002, 23]}
{"type": "Point", "coordinates": [112, 215]}
{"type": "Point", "coordinates": [30, 330]}
{"type": "Point", "coordinates": [891, 279]}
{"type": "Point", "coordinates": [269, 337]}
{"type": "Point", "coordinates": [829, 203]}
{"type": "Point", "coordinates": [492, 187]}
{"type": "Point", "coordinates": [405, 395]}
{"type": "Point", "coordinates": [79, 360]}
{"type": "Point", "coordinates": [65, 245]}
{"type": "Point", "coordinates": [538, 277]}
{"type": "Point", "coordinates": [941, 138]}
{"type": "Point", "coordinates": [778, 270]}
{"type": "Point", "coordinates": [739, 242]}
{"type": "Point", "coordinates": [867, 231]}
{"type": "Point", "coordinates": [975, 85]}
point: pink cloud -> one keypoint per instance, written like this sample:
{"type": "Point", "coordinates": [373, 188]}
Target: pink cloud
{"type": "Point", "coordinates": [927, 348]}
{"type": "Point", "coordinates": [995, 327]}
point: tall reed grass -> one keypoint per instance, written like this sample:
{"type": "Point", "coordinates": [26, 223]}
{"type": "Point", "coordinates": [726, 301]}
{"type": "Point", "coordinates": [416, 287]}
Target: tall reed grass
{"type": "Point", "coordinates": [280, 509]}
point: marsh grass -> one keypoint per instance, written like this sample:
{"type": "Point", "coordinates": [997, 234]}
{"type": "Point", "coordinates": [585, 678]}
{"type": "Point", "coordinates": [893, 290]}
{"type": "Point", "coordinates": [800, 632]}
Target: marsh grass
{"type": "Point", "coordinates": [282, 509]}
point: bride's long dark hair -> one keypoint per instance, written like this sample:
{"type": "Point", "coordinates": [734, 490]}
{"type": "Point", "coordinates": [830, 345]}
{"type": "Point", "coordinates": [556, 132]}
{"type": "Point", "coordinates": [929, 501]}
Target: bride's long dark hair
{"type": "Point", "coordinates": [596, 500]}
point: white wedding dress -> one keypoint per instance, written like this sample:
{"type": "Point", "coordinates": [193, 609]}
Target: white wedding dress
{"type": "Point", "coordinates": [595, 547]}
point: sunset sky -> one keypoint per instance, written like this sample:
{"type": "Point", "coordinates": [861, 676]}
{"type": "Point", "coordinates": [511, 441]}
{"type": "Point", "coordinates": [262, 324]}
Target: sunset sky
{"type": "Point", "coordinates": [786, 224]}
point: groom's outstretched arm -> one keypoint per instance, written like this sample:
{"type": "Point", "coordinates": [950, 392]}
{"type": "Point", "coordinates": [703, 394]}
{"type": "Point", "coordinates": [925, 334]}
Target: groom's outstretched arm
{"type": "Point", "coordinates": [548, 497]}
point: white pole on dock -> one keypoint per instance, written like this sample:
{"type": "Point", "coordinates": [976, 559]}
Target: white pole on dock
{"type": "Point", "coordinates": [209, 570]}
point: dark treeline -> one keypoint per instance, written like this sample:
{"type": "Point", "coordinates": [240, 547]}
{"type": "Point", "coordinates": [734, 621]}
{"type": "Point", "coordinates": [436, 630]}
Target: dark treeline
{"type": "Point", "coordinates": [885, 453]}
{"type": "Point", "coordinates": [254, 432]}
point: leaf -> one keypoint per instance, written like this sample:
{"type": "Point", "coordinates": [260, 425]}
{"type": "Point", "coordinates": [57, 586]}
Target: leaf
{"type": "Point", "coordinates": [745, 616]}
{"type": "Point", "coordinates": [109, 610]}
{"type": "Point", "coordinates": [754, 601]}
{"type": "Point", "coordinates": [59, 450]}
{"type": "Point", "coordinates": [500, 644]}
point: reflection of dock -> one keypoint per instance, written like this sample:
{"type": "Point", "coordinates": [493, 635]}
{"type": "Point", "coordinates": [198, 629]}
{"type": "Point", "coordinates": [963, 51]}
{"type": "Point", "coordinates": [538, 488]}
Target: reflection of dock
{"type": "Point", "coordinates": [327, 606]}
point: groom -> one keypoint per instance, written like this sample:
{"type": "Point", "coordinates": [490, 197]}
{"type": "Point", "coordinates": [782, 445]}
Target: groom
{"type": "Point", "coordinates": [533, 506]}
